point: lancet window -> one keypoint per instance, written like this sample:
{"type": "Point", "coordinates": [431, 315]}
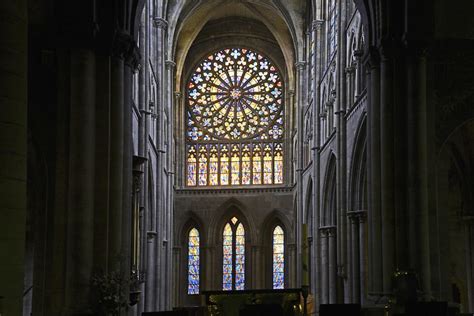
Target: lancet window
{"type": "Point", "coordinates": [233, 259]}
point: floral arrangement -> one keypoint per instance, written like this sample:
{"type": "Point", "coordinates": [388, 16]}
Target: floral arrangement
{"type": "Point", "coordinates": [111, 291]}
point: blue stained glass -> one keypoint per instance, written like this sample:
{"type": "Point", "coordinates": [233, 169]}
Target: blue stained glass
{"type": "Point", "coordinates": [278, 258]}
{"type": "Point", "coordinates": [239, 268]}
{"type": "Point", "coordinates": [193, 261]}
{"type": "Point", "coordinates": [233, 94]}
{"type": "Point", "coordinates": [228, 269]}
{"type": "Point", "coordinates": [233, 269]}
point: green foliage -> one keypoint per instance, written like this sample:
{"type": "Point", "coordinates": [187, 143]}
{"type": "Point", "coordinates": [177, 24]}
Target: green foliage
{"type": "Point", "coordinates": [111, 292]}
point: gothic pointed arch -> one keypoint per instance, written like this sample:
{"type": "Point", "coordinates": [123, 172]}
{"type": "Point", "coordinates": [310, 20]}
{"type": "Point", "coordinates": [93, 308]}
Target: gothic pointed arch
{"type": "Point", "coordinates": [358, 178]}
{"type": "Point", "coordinates": [308, 202]}
{"type": "Point", "coordinates": [231, 207]}
{"type": "Point", "coordinates": [276, 236]}
{"type": "Point", "coordinates": [192, 239]}
{"type": "Point", "coordinates": [328, 215]}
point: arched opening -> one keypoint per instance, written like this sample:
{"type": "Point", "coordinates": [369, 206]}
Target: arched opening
{"type": "Point", "coordinates": [455, 180]}
{"type": "Point", "coordinates": [233, 255]}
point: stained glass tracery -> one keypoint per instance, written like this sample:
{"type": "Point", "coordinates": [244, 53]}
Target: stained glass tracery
{"type": "Point", "coordinates": [234, 111]}
{"type": "Point", "coordinates": [193, 261]}
{"type": "Point", "coordinates": [278, 258]}
{"type": "Point", "coordinates": [233, 260]}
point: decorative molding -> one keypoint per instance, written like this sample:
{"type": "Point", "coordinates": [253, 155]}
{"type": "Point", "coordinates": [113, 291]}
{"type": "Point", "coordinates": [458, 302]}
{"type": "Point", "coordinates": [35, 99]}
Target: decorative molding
{"type": "Point", "coordinates": [206, 191]}
{"type": "Point", "coordinates": [170, 64]}
{"type": "Point", "coordinates": [160, 23]}
{"type": "Point", "coordinates": [357, 104]}
{"type": "Point", "coordinates": [151, 235]}
{"type": "Point", "coordinates": [359, 216]}
{"type": "Point", "coordinates": [317, 25]}
{"type": "Point", "coordinates": [300, 65]}
{"type": "Point", "coordinates": [349, 69]}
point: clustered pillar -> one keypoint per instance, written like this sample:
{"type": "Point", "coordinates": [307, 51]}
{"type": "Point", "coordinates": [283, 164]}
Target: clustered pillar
{"type": "Point", "coordinates": [13, 150]}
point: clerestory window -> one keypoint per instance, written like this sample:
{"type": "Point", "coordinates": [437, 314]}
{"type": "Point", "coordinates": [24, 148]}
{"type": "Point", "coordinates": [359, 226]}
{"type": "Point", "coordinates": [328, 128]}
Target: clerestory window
{"type": "Point", "coordinates": [235, 120]}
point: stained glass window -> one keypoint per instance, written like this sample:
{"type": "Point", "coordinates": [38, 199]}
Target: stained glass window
{"type": "Point", "coordinates": [193, 261]}
{"type": "Point", "coordinates": [278, 258]}
{"type": "Point", "coordinates": [234, 110]}
{"type": "Point", "coordinates": [233, 261]}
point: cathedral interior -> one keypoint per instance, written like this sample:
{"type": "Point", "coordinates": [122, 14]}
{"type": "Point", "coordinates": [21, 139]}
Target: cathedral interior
{"type": "Point", "coordinates": [160, 154]}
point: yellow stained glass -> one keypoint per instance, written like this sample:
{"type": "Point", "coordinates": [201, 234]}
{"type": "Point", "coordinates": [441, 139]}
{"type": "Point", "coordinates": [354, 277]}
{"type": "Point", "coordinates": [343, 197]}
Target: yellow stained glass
{"type": "Point", "coordinates": [246, 166]}
{"type": "Point", "coordinates": [191, 172]}
{"type": "Point", "coordinates": [202, 166]}
{"type": "Point", "coordinates": [278, 258]}
{"type": "Point", "coordinates": [235, 97]}
{"type": "Point", "coordinates": [257, 166]}
{"type": "Point", "coordinates": [235, 166]}
{"type": "Point", "coordinates": [213, 167]}
{"type": "Point", "coordinates": [193, 261]}
{"type": "Point", "coordinates": [267, 166]}
{"type": "Point", "coordinates": [278, 166]}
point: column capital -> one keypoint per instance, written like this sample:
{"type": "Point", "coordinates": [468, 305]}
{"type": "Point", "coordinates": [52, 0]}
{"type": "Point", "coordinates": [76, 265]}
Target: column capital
{"type": "Point", "coordinates": [416, 48]}
{"type": "Point", "coordinates": [170, 64]}
{"type": "Point", "coordinates": [358, 53]}
{"type": "Point", "coordinates": [372, 58]}
{"type": "Point", "coordinates": [125, 47]}
{"type": "Point", "coordinates": [317, 25]}
{"type": "Point", "coordinates": [386, 48]}
{"type": "Point", "coordinates": [327, 230]}
{"type": "Point", "coordinates": [151, 235]}
{"type": "Point", "coordinates": [300, 65]}
{"type": "Point", "coordinates": [178, 94]}
{"type": "Point", "coordinates": [160, 23]}
{"type": "Point", "coordinates": [360, 215]}
{"type": "Point", "coordinates": [121, 45]}
{"type": "Point", "coordinates": [133, 58]}
{"type": "Point", "coordinates": [349, 70]}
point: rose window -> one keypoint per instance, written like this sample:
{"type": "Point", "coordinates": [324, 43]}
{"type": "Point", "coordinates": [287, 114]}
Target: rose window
{"type": "Point", "coordinates": [234, 120]}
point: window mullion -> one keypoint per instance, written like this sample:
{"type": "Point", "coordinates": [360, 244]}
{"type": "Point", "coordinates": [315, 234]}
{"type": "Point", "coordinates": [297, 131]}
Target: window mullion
{"type": "Point", "coordinates": [234, 256]}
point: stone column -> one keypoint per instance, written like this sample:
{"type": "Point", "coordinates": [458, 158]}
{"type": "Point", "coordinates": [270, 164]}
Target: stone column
{"type": "Point", "coordinates": [116, 160]}
{"type": "Point", "coordinates": [351, 85]}
{"type": "Point", "coordinates": [80, 222]}
{"type": "Point", "coordinates": [387, 167]}
{"type": "Point", "coordinates": [150, 295]}
{"type": "Point", "coordinates": [300, 66]}
{"type": "Point", "coordinates": [179, 123]}
{"type": "Point", "coordinates": [324, 266]}
{"type": "Point", "coordinates": [363, 256]}
{"type": "Point", "coordinates": [158, 59]}
{"type": "Point", "coordinates": [373, 142]}
{"type": "Point", "coordinates": [355, 244]}
{"type": "Point", "coordinates": [170, 71]}
{"type": "Point", "coordinates": [13, 149]}
{"type": "Point", "coordinates": [130, 65]}
{"type": "Point", "coordinates": [469, 233]}
{"type": "Point", "coordinates": [317, 27]}
{"type": "Point", "coordinates": [358, 75]}
{"type": "Point", "coordinates": [332, 263]}
{"type": "Point", "coordinates": [324, 133]}
{"type": "Point", "coordinates": [417, 144]}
